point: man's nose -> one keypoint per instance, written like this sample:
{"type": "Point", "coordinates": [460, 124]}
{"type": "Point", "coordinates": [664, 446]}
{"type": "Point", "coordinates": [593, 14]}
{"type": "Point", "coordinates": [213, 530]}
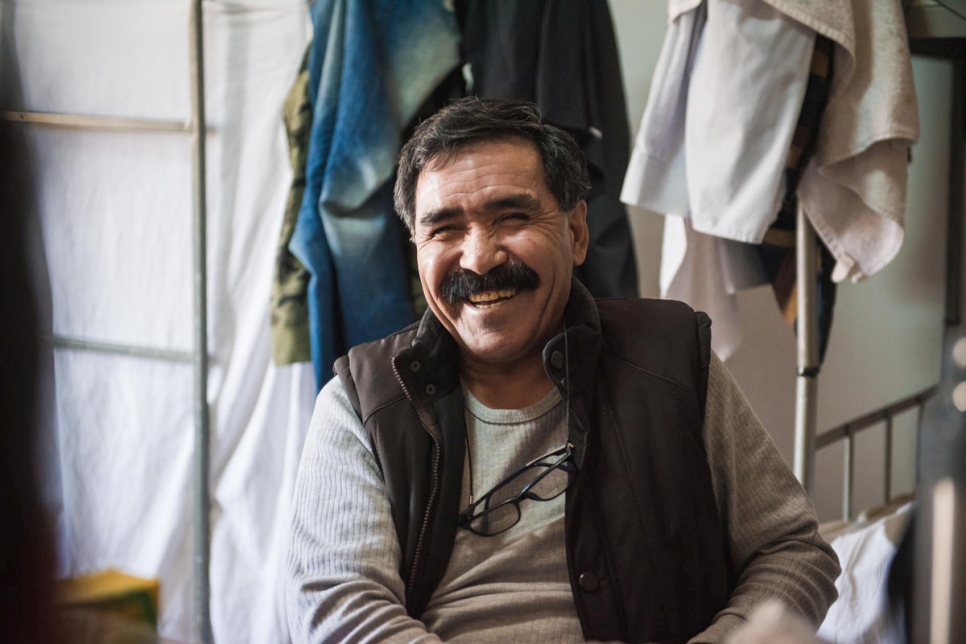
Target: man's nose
{"type": "Point", "coordinates": [481, 252]}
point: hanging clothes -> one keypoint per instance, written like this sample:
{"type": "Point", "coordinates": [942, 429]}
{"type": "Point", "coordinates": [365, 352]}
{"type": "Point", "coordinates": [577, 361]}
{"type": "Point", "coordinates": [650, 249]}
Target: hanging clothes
{"type": "Point", "coordinates": [729, 83]}
{"type": "Point", "coordinates": [712, 148]}
{"type": "Point", "coordinates": [290, 289]}
{"type": "Point", "coordinates": [716, 136]}
{"type": "Point", "coordinates": [777, 251]}
{"type": "Point", "coordinates": [372, 64]}
{"type": "Point", "coordinates": [855, 190]}
{"type": "Point", "coordinates": [562, 55]}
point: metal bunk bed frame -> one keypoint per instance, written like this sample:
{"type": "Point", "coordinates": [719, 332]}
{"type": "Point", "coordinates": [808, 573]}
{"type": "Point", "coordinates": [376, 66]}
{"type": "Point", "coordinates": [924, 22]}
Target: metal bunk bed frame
{"type": "Point", "coordinates": [921, 21]}
{"type": "Point", "coordinates": [936, 28]}
{"type": "Point", "coordinates": [196, 128]}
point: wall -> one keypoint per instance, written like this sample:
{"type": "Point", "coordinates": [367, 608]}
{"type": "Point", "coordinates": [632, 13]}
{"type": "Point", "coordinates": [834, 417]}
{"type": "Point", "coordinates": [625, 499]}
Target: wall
{"type": "Point", "coordinates": [886, 336]}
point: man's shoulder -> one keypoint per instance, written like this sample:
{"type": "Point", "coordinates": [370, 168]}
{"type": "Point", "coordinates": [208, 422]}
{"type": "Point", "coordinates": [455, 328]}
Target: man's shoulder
{"type": "Point", "coordinates": [370, 366]}
{"type": "Point", "coordinates": [643, 317]}
{"type": "Point", "coordinates": [385, 347]}
{"type": "Point", "coordinates": [666, 338]}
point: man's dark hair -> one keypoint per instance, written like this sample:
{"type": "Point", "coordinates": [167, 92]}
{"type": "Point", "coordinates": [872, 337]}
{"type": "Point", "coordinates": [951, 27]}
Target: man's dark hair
{"type": "Point", "coordinates": [470, 120]}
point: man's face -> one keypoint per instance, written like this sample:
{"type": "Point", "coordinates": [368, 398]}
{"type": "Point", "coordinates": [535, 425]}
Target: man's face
{"type": "Point", "coordinates": [488, 212]}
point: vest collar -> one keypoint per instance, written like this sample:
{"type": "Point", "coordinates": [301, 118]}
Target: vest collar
{"type": "Point", "coordinates": [580, 340]}
{"type": "Point", "coordinates": [430, 365]}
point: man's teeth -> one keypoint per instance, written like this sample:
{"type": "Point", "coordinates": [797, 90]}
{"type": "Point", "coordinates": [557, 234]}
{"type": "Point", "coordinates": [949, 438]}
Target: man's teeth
{"type": "Point", "coordinates": [491, 296]}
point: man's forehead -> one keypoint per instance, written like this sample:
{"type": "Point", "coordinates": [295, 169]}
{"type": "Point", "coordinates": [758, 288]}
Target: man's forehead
{"type": "Point", "coordinates": [509, 145]}
{"type": "Point", "coordinates": [503, 169]}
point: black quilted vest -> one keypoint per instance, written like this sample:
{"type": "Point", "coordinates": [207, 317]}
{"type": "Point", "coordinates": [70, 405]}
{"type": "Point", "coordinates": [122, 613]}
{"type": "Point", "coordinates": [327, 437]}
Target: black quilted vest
{"type": "Point", "coordinates": [647, 553]}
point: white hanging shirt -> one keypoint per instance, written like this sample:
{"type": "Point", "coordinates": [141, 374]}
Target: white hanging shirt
{"type": "Point", "coordinates": [722, 109]}
{"type": "Point", "coordinates": [712, 147]}
{"type": "Point", "coordinates": [715, 136]}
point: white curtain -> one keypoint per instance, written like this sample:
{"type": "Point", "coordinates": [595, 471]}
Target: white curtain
{"type": "Point", "coordinates": [115, 219]}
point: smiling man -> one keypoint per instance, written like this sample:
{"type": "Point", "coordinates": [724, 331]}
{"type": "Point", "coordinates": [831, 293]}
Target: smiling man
{"type": "Point", "coordinates": [495, 253]}
{"type": "Point", "coordinates": [525, 462]}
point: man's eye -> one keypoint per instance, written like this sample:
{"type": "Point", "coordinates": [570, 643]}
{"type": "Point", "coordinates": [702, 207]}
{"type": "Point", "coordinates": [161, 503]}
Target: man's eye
{"type": "Point", "coordinates": [515, 216]}
{"type": "Point", "coordinates": [441, 231]}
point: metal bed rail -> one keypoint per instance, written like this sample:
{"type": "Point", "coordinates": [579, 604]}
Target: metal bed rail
{"type": "Point", "coordinates": [848, 431]}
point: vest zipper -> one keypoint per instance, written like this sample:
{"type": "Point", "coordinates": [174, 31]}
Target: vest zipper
{"type": "Point", "coordinates": [420, 542]}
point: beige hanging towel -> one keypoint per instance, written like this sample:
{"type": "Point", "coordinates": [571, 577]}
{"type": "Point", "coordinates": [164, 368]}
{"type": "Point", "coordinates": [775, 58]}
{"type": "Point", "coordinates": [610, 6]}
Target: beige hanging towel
{"type": "Point", "coordinates": [854, 190]}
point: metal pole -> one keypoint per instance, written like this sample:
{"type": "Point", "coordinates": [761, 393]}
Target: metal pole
{"type": "Point", "coordinates": [888, 459]}
{"type": "Point", "coordinates": [83, 121]}
{"type": "Point", "coordinates": [202, 429]}
{"type": "Point", "coordinates": [80, 344]}
{"type": "Point", "coordinates": [848, 490]}
{"type": "Point", "coordinates": [806, 384]}
{"type": "Point", "coordinates": [954, 218]}
{"type": "Point", "coordinates": [943, 600]}
{"type": "Point", "coordinates": [940, 541]}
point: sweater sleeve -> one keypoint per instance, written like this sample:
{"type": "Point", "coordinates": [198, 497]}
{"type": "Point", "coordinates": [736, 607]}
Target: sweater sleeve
{"type": "Point", "coordinates": [343, 562]}
{"type": "Point", "coordinates": [775, 547]}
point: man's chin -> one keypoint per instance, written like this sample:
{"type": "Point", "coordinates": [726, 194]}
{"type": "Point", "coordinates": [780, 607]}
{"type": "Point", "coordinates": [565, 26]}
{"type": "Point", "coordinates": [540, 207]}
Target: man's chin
{"type": "Point", "coordinates": [487, 345]}
{"type": "Point", "coordinates": [490, 356]}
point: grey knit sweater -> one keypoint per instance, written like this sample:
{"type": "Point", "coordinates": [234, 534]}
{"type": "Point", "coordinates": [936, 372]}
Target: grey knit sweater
{"type": "Point", "coordinates": [344, 582]}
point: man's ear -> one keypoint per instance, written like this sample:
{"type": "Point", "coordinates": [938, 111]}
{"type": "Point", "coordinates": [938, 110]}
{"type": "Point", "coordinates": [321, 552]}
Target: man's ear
{"type": "Point", "coordinates": [579, 234]}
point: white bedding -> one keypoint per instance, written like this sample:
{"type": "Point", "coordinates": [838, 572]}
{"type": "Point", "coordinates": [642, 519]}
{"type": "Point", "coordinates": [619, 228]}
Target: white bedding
{"type": "Point", "coordinates": [865, 548]}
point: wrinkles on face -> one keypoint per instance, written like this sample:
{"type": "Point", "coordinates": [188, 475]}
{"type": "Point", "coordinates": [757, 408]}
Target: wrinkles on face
{"type": "Point", "coordinates": [495, 252]}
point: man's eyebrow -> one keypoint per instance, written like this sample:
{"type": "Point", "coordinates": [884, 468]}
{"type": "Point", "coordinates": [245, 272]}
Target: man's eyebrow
{"type": "Point", "coordinates": [522, 201]}
{"type": "Point", "coordinates": [433, 217]}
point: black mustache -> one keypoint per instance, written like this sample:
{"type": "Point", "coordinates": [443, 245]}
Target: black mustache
{"type": "Point", "coordinates": [461, 283]}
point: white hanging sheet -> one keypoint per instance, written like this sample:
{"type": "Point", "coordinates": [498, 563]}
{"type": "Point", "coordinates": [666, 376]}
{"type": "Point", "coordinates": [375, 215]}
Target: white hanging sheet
{"type": "Point", "coordinates": [115, 210]}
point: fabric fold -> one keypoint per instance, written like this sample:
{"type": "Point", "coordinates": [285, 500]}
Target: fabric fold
{"type": "Point", "coordinates": [721, 138]}
{"type": "Point", "coordinates": [371, 66]}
